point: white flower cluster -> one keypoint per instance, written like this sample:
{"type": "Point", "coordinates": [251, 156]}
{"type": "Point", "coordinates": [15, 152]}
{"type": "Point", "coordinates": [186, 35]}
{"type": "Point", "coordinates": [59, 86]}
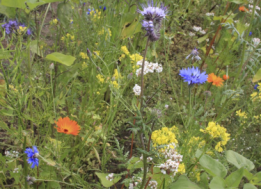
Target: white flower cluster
{"type": "Point", "coordinates": [149, 67]}
{"type": "Point", "coordinates": [173, 160]}
{"type": "Point", "coordinates": [198, 29]}
{"type": "Point", "coordinates": [110, 177]}
{"type": "Point", "coordinates": [256, 41]}
{"type": "Point", "coordinates": [149, 159]}
{"type": "Point", "coordinates": [153, 184]}
{"type": "Point", "coordinates": [191, 34]}
{"type": "Point", "coordinates": [16, 170]}
{"type": "Point", "coordinates": [210, 14]}
{"type": "Point", "coordinates": [251, 9]}
{"type": "Point", "coordinates": [137, 90]}
{"type": "Point", "coordinates": [135, 182]}
{"type": "Point", "coordinates": [13, 154]}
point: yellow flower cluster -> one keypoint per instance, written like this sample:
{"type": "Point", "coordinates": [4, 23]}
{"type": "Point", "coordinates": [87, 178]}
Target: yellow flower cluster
{"type": "Point", "coordinates": [164, 136]}
{"type": "Point", "coordinates": [217, 131]}
{"type": "Point", "coordinates": [84, 55]}
{"type": "Point", "coordinates": [106, 31]}
{"type": "Point", "coordinates": [96, 15]}
{"type": "Point", "coordinates": [54, 21]}
{"type": "Point", "coordinates": [115, 84]}
{"type": "Point", "coordinates": [116, 74]}
{"type": "Point", "coordinates": [241, 114]}
{"type": "Point", "coordinates": [135, 58]}
{"type": "Point", "coordinates": [197, 141]}
{"type": "Point", "coordinates": [181, 168]}
{"type": "Point", "coordinates": [100, 78]}
{"type": "Point", "coordinates": [21, 29]}
{"type": "Point", "coordinates": [68, 36]}
{"type": "Point", "coordinates": [125, 50]}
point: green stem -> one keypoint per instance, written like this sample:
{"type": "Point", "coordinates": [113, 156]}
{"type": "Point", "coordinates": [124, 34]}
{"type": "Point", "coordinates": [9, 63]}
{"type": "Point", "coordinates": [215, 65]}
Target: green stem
{"type": "Point", "coordinates": [25, 163]}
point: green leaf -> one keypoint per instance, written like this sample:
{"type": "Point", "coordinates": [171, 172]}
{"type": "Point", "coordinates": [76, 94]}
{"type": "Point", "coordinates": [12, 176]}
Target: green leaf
{"type": "Point", "coordinates": [257, 177]}
{"type": "Point", "coordinates": [134, 27]}
{"type": "Point", "coordinates": [213, 167]}
{"type": "Point", "coordinates": [201, 39]}
{"type": "Point", "coordinates": [248, 175]}
{"type": "Point", "coordinates": [217, 183]}
{"type": "Point", "coordinates": [35, 49]}
{"type": "Point", "coordinates": [203, 183]}
{"type": "Point", "coordinates": [53, 185]}
{"type": "Point", "coordinates": [249, 186]}
{"type": "Point", "coordinates": [238, 1]}
{"type": "Point", "coordinates": [183, 183]}
{"type": "Point", "coordinates": [31, 3]}
{"type": "Point", "coordinates": [239, 160]}
{"type": "Point", "coordinates": [135, 163]}
{"type": "Point", "coordinates": [257, 76]}
{"type": "Point", "coordinates": [8, 11]}
{"type": "Point", "coordinates": [233, 180]}
{"type": "Point", "coordinates": [66, 60]}
{"type": "Point", "coordinates": [106, 183]}
{"type": "Point", "coordinates": [4, 54]}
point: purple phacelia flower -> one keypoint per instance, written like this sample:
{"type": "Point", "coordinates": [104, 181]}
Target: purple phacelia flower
{"type": "Point", "coordinates": [153, 17]}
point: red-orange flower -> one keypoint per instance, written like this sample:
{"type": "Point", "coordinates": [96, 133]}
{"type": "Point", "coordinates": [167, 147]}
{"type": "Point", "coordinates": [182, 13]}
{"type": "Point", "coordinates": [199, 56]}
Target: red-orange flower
{"type": "Point", "coordinates": [242, 9]}
{"type": "Point", "coordinates": [215, 80]}
{"type": "Point", "coordinates": [225, 77]}
{"type": "Point", "coordinates": [67, 126]}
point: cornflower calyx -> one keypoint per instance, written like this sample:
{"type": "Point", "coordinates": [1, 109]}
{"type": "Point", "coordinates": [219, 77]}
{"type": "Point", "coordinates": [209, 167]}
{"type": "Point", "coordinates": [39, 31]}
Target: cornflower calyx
{"type": "Point", "coordinates": [153, 17]}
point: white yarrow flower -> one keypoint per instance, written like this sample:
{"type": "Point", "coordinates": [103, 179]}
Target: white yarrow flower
{"type": "Point", "coordinates": [191, 34]}
{"type": "Point", "coordinates": [137, 89]}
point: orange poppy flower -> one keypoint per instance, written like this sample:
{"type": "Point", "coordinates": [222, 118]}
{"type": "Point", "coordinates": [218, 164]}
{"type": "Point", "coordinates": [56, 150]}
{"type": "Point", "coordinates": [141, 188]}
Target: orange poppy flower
{"type": "Point", "coordinates": [242, 9]}
{"type": "Point", "coordinates": [225, 77]}
{"type": "Point", "coordinates": [67, 126]}
{"type": "Point", "coordinates": [215, 80]}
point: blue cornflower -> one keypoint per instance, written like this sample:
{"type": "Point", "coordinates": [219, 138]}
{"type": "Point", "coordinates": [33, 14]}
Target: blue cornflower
{"type": "Point", "coordinates": [32, 155]}
{"type": "Point", "coordinates": [193, 76]}
{"type": "Point", "coordinates": [104, 8]}
{"type": "Point", "coordinates": [255, 87]}
{"type": "Point", "coordinates": [29, 32]}
{"type": "Point", "coordinates": [153, 17]}
{"type": "Point", "coordinates": [250, 33]}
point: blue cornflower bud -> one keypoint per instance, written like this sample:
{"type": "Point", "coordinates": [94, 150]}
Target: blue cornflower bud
{"type": "Point", "coordinates": [104, 8]}
{"type": "Point", "coordinates": [250, 33]}
{"type": "Point", "coordinates": [89, 52]}
{"type": "Point", "coordinates": [255, 87]}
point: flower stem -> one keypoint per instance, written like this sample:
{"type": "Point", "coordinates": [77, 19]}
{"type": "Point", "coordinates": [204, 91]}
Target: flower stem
{"type": "Point", "coordinates": [142, 75]}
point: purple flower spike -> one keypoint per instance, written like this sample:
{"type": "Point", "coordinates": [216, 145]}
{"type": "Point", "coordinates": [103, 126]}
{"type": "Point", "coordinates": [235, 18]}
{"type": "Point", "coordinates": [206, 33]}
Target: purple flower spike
{"type": "Point", "coordinates": [153, 17]}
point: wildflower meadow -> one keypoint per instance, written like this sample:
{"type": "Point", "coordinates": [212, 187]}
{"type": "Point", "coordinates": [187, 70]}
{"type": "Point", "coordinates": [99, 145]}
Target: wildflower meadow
{"type": "Point", "coordinates": [136, 94]}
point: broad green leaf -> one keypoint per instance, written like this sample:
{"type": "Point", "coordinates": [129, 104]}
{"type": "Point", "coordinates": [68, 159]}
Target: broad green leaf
{"type": "Point", "coordinates": [203, 183]}
{"type": "Point", "coordinates": [248, 175]}
{"type": "Point", "coordinates": [183, 183]}
{"type": "Point", "coordinates": [233, 180]}
{"type": "Point", "coordinates": [135, 163]}
{"type": "Point", "coordinates": [213, 167]}
{"type": "Point", "coordinates": [257, 177]}
{"type": "Point", "coordinates": [35, 49]}
{"type": "Point", "coordinates": [249, 186]}
{"type": "Point", "coordinates": [238, 1]}
{"type": "Point", "coordinates": [8, 11]}
{"type": "Point", "coordinates": [239, 160]}
{"type": "Point", "coordinates": [106, 183]}
{"type": "Point", "coordinates": [217, 183]}
{"type": "Point", "coordinates": [201, 39]}
{"type": "Point", "coordinates": [66, 60]}
{"type": "Point", "coordinates": [134, 27]}
{"type": "Point", "coordinates": [241, 27]}
{"type": "Point", "coordinates": [30, 3]}
{"type": "Point", "coordinates": [257, 76]}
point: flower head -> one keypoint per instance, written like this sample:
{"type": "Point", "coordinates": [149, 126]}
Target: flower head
{"type": "Point", "coordinates": [256, 86]}
{"type": "Point", "coordinates": [137, 89]}
{"type": "Point", "coordinates": [193, 76]}
{"type": "Point", "coordinates": [242, 9]}
{"type": "Point", "coordinates": [194, 53]}
{"type": "Point", "coordinates": [215, 80]}
{"type": "Point", "coordinates": [32, 155]}
{"type": "Point", "coordinates": [225, 77]}
{"type": "Point", "coordinates": [153, 17]}
{"type": "Point", "coordinates": [67, 126]}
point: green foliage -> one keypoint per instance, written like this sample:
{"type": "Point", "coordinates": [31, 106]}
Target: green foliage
{"type": "Point", "coordinates": [66, 60]}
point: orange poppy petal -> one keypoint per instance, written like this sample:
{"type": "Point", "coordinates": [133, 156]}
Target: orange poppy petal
{"type": "Point", "coordinates": [67, 126]}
